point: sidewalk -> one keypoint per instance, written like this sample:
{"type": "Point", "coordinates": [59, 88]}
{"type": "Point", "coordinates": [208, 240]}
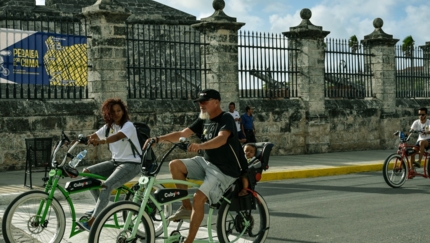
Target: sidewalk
{"type": "Point", "coordinates": [280, 168]}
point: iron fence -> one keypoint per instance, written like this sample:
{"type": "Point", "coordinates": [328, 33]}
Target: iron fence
{"type": "Point", "coordinates": [267, 67]}
{"type": "Point", "coordinates": [347, 70]}
{"type": "Point", "coordinates": [164, 61]}
{"type": "Point", "coordinates": [42, 56]}
{"type": "Point", "coordinates": [412, 72]}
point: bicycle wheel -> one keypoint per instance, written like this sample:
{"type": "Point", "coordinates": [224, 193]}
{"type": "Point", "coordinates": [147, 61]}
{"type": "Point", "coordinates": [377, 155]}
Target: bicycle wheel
{"type": "Point", "coordinates": [230, 224]}
{"type": "Point", "coordinates": [22, 224]}
{"type": "Point", "coordinates": [108, 226]}
{"type": "Point", "coordinates": [395, 171]}
{"type": "Point", "coordinates": [152, 211]}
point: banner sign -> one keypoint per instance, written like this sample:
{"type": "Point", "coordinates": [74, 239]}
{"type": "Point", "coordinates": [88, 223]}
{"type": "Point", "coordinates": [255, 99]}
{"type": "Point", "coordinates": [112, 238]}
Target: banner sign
{"type": "Point", "coordinates": [30, 57]}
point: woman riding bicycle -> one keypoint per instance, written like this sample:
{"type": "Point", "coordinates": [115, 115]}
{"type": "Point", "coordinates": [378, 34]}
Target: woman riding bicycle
{"type": "Point", "coordinates": [222, 164]}
{"type": "Point", "coordinates": [124, 165]}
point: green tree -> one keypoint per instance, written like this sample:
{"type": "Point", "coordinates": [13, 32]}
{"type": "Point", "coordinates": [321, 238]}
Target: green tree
{"type": "Point", "coordinates": [408, 46]}
{"type": "Point", "coordinates": [353, 43]}
{"type": "Point", "coordinates": [408, 51]}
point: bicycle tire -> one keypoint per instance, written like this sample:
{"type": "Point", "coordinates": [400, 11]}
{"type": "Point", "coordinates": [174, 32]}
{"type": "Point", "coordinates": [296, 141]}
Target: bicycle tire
{"type": "Point", "coordinates": [230, 223]}
{"type": "Point", "coordinates": [106, 229]}
{"type": "Point", "coordinates": [395, 171]}
{"type": "Point", "coordinates": [155, 214]}
{"type": "Point", "coordinates": [19, 220]}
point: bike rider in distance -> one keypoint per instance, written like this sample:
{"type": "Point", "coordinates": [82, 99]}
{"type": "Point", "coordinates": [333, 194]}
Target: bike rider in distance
{"type": "Point", "coordinates": [423, 126]}
{"type": "Point", "coordinates": [223, 161]}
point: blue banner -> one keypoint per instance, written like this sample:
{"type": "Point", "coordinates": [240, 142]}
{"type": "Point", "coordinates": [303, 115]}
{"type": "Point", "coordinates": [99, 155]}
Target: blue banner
{"type": "Point", "coordinates": [29, 57]}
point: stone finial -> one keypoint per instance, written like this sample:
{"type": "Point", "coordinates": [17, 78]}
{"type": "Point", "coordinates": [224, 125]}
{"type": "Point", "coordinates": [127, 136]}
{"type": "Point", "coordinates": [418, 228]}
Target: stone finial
{"type": "Point", "coordinates": [306, 13]}
{"type": "Point", "coordinates": [219, 14]}
{"type": "Point", "coordinates": [378, 23]}
{"type": "Point", "coordinates": [306, 28]}
{"type": "Point", "coordinates": [218, 5]}
{"type": "Point", "coordinates": [378, 36]}
{"type": "Point", "coordinates": [378, 33]}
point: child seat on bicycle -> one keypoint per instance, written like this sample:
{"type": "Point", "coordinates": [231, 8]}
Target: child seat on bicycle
{"type": "Point", "coordinates": [242, 191]}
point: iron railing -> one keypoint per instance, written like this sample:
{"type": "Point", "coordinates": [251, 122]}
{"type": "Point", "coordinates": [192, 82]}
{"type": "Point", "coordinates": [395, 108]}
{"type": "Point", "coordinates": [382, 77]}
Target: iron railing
{"type": "Point", "coordinates": [164, 61]}
{"type": "Point", "coordinates": [412, 72]}
{"type": "Point", "coordinates": [267, 67]}
{"type": "Point", "coordinates": [347, 70]}
{"type": "Point", "coordinates": [36, 60]}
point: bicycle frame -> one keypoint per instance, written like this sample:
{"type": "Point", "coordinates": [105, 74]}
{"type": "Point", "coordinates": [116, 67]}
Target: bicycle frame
{"type": "Point", "coordinates": [146, 183]}
{"type": "Point", "coordinates": [402, 151]}
{"type": "Point", "coordinates": [52, 185]}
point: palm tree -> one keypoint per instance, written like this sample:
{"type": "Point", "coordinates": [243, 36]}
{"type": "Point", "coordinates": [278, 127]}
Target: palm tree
{"type": "Point", "coordinates": [408, 46]}
{"type": "Point", "coordinates": [353, 43]}
{"type": "Point", "coordinates": [408, 51]}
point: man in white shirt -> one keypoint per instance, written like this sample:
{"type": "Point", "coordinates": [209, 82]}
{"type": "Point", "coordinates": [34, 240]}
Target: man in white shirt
{"type": "Point", "coordinates": [236, 116]}
{"type": "Point", "coordinates": [423, 126]}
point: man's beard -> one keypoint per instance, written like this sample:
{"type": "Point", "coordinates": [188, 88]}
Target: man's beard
{"type": "Point", "coordinates": [204, 115]}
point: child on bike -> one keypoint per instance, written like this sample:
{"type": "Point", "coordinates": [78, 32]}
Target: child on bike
{"type": "Point", "coordinates": [124, 164]}
{"type": "Point", "coordinates": [250, 149]}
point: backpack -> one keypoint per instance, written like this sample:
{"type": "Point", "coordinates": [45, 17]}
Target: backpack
{"type": "Point", "coordinates": [143, 133]}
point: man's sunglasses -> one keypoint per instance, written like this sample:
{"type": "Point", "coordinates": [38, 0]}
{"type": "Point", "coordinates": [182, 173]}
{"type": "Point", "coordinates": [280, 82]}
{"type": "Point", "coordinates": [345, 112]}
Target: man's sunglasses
{"type": "Point", "coordinates": [422, 114]}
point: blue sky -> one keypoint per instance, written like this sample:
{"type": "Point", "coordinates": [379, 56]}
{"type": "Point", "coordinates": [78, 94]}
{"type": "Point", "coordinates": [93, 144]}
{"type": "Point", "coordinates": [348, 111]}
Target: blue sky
{"type": "Point", "coordinates": [343, 18]}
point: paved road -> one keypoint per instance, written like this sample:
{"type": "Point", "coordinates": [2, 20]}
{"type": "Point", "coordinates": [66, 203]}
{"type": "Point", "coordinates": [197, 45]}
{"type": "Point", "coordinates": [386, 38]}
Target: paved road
{"type": "Point", "coordinates": [346, 208]}
{"type": "Point", "coordinates": [352, 208]}
{"type": "Point", "coordinates": [281, 167]}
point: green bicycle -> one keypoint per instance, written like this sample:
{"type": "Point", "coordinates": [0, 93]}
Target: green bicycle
{"type": "Point", "coordinates": [239, 219]}
{"type": "Point", "coordinates": [38, 214]}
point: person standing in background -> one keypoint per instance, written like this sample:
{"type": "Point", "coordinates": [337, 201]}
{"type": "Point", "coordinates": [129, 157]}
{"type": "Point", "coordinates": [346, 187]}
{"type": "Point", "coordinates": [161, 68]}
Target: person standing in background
{"type": "Point", "coordinates": [236, 116]}
{"type": "Point", "coordinates": [248, 127]}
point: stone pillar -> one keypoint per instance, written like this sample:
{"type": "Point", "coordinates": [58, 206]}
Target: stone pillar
{"type": "Point", "coordinates": [107, 55]}
{"type": "Point", "coordinates": [383, 65]}
{"type": "Point", "coordinates": [219, 31]}
{"type": "Point", "coordinates": [309, 40]}
{"type": "Point", "coordinates": [426, 56]}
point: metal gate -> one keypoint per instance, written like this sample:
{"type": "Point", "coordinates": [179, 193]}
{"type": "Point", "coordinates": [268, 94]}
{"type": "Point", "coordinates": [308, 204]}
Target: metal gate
{"type": "Point", "coordinates": [164, 61]}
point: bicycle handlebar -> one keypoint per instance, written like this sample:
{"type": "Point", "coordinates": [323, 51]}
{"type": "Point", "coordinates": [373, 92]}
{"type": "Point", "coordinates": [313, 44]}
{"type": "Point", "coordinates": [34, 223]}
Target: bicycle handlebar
{"type": "Point", "coordinates": [63, 141]}
{"type": "Point", "coordinates": [148, 169]}
{"type": "Point", "coordinates": [402, 137]}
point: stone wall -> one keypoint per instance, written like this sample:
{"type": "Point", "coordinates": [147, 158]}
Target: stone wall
{"type": "Point", "coordinates": [21, 119]}
{"type": "Point", "coordinates": [309, 123]}
{"type": "Point", "coordinates": [353, 124]}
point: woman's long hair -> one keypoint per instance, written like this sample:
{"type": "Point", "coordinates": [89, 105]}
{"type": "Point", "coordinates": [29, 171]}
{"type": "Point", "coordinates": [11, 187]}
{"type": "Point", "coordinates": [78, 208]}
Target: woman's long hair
{"type": "Point", "coordinates": [107, 111]}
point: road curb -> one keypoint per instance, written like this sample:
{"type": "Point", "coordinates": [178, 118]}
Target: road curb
{"type": "Point", "coordinates": [306, 173]}
{"type": "Point", "coordinates": [317, 172]}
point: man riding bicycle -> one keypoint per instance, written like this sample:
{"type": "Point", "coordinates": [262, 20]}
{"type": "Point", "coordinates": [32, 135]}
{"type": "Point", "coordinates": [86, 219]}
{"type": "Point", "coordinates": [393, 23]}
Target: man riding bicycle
{"type": "Point", "coordinates": [423, 125]}
{"type": "Point", "coordinates": [223, 161]}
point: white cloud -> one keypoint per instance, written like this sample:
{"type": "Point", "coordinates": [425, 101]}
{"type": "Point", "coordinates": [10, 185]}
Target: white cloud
{"type": "Point", "coordinates": [346, 18]}
{"type": "Point", "coordinates": [342, 18]}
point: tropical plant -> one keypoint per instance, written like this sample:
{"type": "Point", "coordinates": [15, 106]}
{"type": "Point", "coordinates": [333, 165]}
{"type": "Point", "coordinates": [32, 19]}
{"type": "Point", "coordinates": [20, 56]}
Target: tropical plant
{"type": "Point", "coordinates": [353, 43]}
{"type": "Point", "coordinates": [408, 51]}
{"type": "Point", "coordinates": [408, 46]}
